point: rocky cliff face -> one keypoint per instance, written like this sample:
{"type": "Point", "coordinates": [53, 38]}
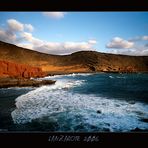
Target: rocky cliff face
{"type": "Point", "coordinates": [10, 69]}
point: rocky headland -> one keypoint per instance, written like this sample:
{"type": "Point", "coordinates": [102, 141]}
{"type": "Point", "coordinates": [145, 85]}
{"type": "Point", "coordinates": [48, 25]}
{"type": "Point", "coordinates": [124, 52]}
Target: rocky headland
{"type": "Point", "coordinates": [21, 63]}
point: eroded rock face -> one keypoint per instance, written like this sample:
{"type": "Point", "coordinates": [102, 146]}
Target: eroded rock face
{"type": "Point", "coordinates": [10, 69]}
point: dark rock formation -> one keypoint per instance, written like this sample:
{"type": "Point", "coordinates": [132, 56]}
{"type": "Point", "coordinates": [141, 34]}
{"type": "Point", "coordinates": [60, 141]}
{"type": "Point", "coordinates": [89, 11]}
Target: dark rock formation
{"type": "Point", "coordinates": [138, 130]}
{"type": "Point", "coordinates": [144, 120]}
{"type": "Point", "coordinates": [98, 111]}
{"type": "Point", "coordinates": [12, 82]}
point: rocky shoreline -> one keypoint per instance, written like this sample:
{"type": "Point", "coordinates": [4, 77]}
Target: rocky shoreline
{"type": "Point", "coordinates": [13, 82]}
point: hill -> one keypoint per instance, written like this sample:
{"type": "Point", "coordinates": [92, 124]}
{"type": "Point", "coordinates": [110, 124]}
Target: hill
{"type": "Point", "coordinates": [83, 61]}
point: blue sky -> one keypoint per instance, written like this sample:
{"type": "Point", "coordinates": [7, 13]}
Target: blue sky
{"type": "Point", "coordinates": [67, 32]}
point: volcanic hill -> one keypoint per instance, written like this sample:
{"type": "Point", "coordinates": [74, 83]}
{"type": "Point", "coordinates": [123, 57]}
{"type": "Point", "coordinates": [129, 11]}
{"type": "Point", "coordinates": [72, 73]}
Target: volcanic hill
{"type": "Point", "coordinates": [17, 61]}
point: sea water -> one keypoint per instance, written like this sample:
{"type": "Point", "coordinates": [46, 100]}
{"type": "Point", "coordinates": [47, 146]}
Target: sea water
{"type": "Point", "coordinates": [78, 103]}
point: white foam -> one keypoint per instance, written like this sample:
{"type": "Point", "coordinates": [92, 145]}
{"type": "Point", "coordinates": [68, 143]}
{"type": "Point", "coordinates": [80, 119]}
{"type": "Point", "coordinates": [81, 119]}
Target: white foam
{"type": "Point", "coordinates": [111, 77]}
{"type": "Point", "coordinates": [118, 77]}
{"type": "Point", "coordinates": [50, 100]}
{"type": "Point", "coordinates": [67, 75]}
{"type": "Point", "coordinates": [18, 88]}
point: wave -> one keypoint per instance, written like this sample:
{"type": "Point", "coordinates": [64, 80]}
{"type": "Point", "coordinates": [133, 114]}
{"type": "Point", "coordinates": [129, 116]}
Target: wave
{"type": "Point", "coordinates": [79, 112]}
{"type": "Point", "coordinates": [111, 77]}
{"type": "Point", "coordinates": [68, 75]}
{"type": "Point", "coordinates": [118, 77]}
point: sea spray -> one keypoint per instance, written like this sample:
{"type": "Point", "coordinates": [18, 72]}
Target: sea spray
{"type": "Point", "coordinates": [78, 111]}
{"type": "Point", "coordinates": [72, 111]}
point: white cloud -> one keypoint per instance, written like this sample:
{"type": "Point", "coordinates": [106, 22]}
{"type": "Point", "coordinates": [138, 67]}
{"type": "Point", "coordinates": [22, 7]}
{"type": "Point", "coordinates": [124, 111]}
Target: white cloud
{"type": "Point", "coordinates": [65, 47]}
{"type": "Point", "coordinates": [29, 38]}
{"type": "Point", "coordinates": [54, 15]}
{"type": "Point", "coordinates": [129, 47]}
{"type": "Point", "coordinates": [15, 33]}
{"type": "Point", "coordinates": [28, 46]}
{"type": "Point", "coordinates": [92, 41]}
{"type": "Point", "coordinates": [139, 38]}
{"type": "Point", "coordinates": [7, 36]}
{"type": "Point", "coordinates": [54, 47]}
{"type": "Point", "coordinates": [144, 52]}
{"type": "Point", "coordinates": [137, 50]}
{"type": "Point", "coordinates": [11, 32]}
{"type": "Point", "coordinates": [29, 27]}
{"type": "Point", "coordinates": [119, 43]}
{"type": "Point", "coordinates": [15, 25]}
{"type": "Point", "coordinates": [145, 38]}
{"type": "Point", "coordinates": [140, 50]}
{"type": "Point", "coordinates": [59, 48]}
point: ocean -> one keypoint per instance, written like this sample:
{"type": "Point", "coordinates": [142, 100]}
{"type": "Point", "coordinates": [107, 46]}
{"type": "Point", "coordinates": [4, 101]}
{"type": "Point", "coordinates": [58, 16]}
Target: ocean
{"type": "Point", "coordinates": [100, 102]}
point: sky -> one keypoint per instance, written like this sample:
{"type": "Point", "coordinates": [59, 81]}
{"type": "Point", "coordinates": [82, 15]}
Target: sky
{"type": "Point", "coordinates": [67, 32]}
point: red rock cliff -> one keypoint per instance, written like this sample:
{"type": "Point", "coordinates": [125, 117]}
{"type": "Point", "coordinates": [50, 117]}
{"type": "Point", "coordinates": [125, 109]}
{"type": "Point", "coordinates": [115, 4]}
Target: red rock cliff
{"type": "Point", "coordinates": [10, 69]}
